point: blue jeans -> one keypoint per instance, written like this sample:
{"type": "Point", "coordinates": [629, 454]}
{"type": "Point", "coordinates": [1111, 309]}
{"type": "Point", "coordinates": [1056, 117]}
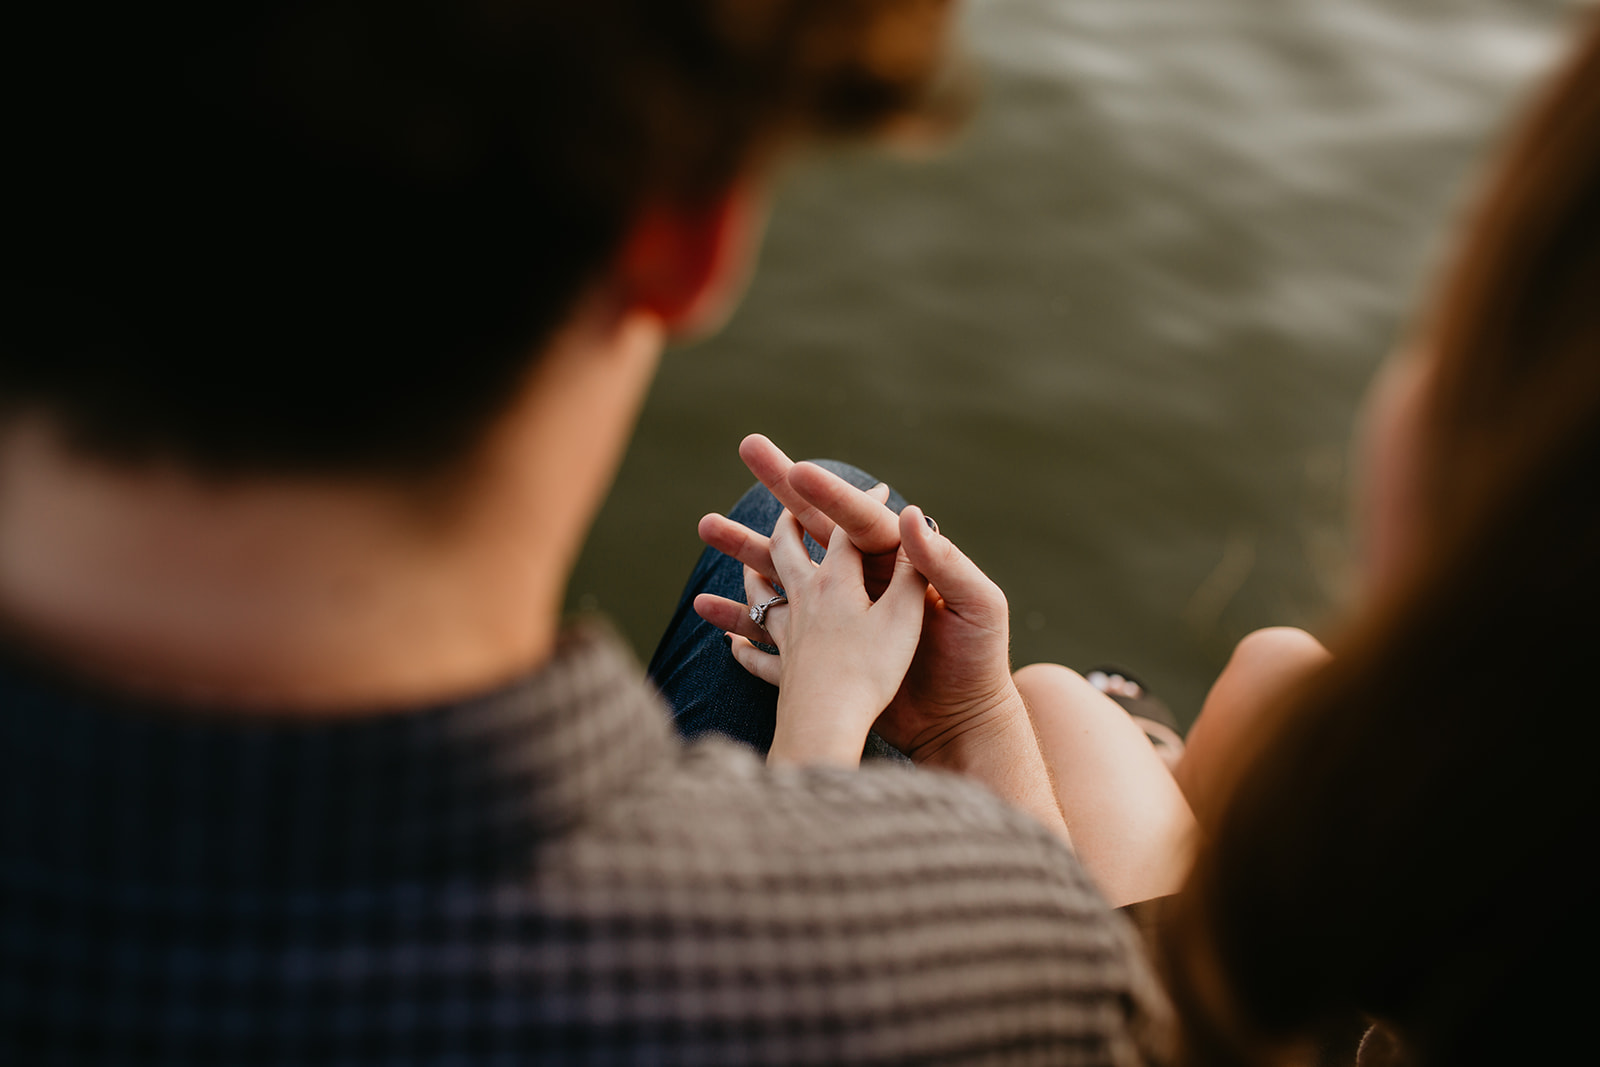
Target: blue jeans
{"type": "Point", "coordinates": [693, 668]}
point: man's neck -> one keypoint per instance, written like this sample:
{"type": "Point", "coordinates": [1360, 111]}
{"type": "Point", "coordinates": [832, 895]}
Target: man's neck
{"type": "Point", "coordinates": [306, 596]}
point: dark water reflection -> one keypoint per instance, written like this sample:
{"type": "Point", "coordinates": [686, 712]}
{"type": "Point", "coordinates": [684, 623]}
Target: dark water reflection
{"type": "Point", "coordinates": [1115, 339]}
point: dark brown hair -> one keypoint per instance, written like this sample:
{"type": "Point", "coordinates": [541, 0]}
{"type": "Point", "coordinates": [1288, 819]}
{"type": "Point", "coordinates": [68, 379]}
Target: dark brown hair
{"type": "Point", "coordinates": [1405, 837]}
{"type": "Point", "coordinates": [332, 236]}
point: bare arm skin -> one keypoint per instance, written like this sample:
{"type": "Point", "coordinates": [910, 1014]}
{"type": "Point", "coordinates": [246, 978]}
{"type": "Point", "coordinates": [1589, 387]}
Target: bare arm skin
{"type": "Point", "coordinates": [1134, 822]}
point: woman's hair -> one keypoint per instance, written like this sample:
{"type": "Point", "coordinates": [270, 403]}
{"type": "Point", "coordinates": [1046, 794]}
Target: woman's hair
{"type": "Point", "coordinates": [1403, 838]}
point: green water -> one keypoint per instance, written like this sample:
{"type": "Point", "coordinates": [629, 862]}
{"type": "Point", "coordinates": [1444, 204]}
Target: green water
{"type": "Point", "coordinates": [1114, 337]}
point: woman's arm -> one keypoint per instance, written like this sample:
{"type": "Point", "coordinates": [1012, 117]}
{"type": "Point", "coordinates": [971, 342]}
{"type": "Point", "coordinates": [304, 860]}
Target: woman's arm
{"type": "Point", "coordinates": [1129, 821]}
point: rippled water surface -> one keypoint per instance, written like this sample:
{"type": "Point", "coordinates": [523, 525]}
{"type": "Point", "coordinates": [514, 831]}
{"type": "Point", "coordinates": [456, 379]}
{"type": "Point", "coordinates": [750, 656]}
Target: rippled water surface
{"type": "Point", "coordinates": [1114, 337]}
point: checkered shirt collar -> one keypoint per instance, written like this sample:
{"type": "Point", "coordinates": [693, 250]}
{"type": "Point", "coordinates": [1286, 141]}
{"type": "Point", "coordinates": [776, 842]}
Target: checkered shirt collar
{"type": "Point", "coordinates": [107, 789]}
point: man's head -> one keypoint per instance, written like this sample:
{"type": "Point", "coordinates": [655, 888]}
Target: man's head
{"type": "Point", "coordinates": [333, 237]}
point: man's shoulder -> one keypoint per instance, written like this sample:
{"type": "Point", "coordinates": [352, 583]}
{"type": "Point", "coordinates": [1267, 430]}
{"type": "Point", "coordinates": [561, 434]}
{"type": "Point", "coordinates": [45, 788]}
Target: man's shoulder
{"type": "Point", "coordinates": [718, 813]}
{"type": "Point", "coordinates": [731, 784]}
{"type": "Point", "coordinates": [893, 914]}
{"type": "Point", "coordinates": [880, 799]}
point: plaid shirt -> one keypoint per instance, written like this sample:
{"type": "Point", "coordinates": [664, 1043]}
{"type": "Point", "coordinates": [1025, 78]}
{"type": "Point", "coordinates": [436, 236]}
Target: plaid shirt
{"type": "Point", "coordinates": [541, 874]}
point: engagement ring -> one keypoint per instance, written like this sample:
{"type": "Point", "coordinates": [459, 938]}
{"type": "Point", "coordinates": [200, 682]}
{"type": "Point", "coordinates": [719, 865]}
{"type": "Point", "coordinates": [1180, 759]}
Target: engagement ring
{"type": "Point", "coordinates": [758, 613]}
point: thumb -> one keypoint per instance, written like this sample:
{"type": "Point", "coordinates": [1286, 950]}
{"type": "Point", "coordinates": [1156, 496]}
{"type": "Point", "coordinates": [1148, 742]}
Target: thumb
{"type": "Point", "coordinates": [965, 589]}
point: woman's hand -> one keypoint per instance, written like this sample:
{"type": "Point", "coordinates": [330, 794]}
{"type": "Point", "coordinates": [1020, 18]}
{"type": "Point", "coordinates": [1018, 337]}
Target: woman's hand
{"type": "Point", "coordinates": [842, 655]}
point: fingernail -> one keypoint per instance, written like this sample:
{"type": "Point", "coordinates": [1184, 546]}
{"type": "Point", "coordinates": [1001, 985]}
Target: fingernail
{"type": "Point", "coordinates": [931, 524]}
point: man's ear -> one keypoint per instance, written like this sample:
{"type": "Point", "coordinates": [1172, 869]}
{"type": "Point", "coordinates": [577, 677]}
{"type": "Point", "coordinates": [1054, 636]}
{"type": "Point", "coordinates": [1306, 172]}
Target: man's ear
{"type": "Point", "coordinates": [687, 265]}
